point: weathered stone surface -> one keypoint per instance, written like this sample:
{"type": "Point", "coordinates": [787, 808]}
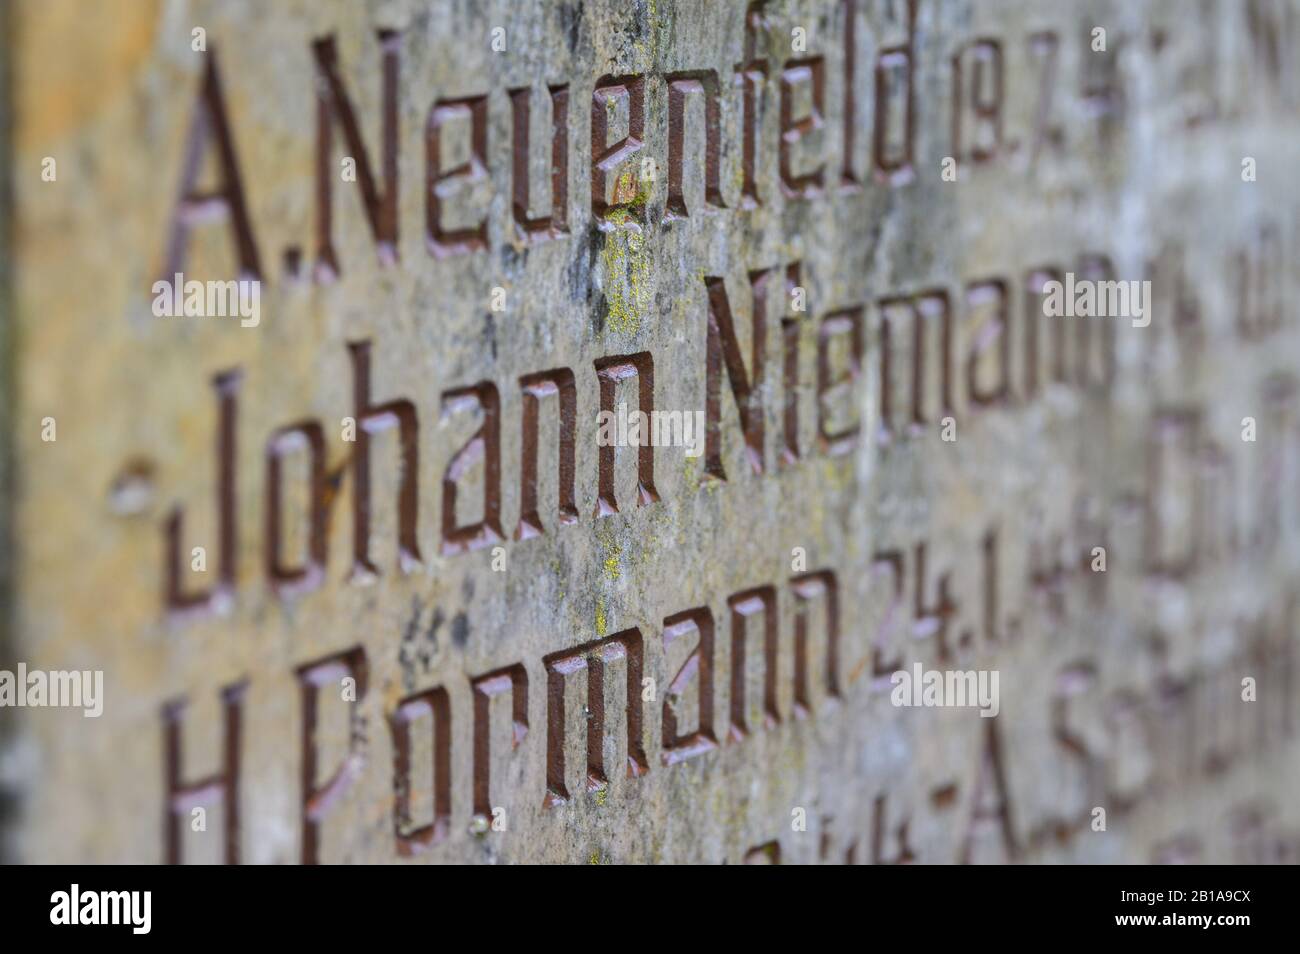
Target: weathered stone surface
{"type": "Point", "coordinates": [844, 510]}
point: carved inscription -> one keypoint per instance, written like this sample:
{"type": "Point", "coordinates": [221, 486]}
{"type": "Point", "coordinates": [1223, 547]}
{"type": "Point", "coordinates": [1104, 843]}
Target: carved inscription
{"type": "Point", "coordinates": [409, 565]}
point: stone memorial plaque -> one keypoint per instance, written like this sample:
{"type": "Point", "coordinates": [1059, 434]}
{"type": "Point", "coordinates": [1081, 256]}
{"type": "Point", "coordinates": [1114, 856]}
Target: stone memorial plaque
{"type": "Point", "coordinates": [627, 431]}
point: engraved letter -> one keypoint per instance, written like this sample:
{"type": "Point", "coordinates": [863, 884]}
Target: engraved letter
{"type": "Point", "coordinates": [722, 348]}
{"type": "Point", "coordinates": [592, 656]}
{"type": "Point", "coordinates": [556, 224]}
{"type": "Point", "coordinates": [484, 445]}
{"type": "Point", "coordinates": [813, 70]}
{"type": "Point", "coordinates": [399, 413]}
{"type": "Point", "coordinates": [744, 605]}
{"type": "Point", "coordinates": [226, 385]}
{"type": "Point", "coordinates": [847, 321]}
{"type": "Point", "coordinates": [808, 587]}
{"type": "Point", "coordinates": [333, 105]}
{"type": "Point", "coordinates": [535, 387]}
{"type": "Point", "coordinates": [993, 332]}
{"type": "Point", "coordinates": [610, 371]}
{"type": "Point", "coordinates": [677, 746]}
{"type": "Point", "coordinates": [896, 66]}
{"type": "Point", "coordinates": [680, 85]}
{"type": "Point", "coordinates": [317, 800]}
{"type": "Point", "coordinates": [606, 157]}
{"type": "Point", "coordinates": [438, 706]}
{"type": "Point", "coordinates": [511, 679]}
{"type": "Point", "coordinates": [985, 99]}
{"type": "Point", "coordinates": [226, 202]}
{"type": "Point", "coordinates": [307, 434]}
{"type": "Point", "coordinates": [221, 788]}
{"type": "Point", "coordinates": [440, 185]}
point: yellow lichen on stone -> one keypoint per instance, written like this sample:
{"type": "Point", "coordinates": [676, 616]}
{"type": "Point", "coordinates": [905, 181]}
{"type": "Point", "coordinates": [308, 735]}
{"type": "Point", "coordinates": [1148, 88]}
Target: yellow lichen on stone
{"type": "Point", "coordinates": [691, 475]}
{"type": "Point", "coordinates": [625, 188]}
{"type": "Point", "coordinates": [627, 271]}
{"type": "Point", "coordinates": [612, 554]}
